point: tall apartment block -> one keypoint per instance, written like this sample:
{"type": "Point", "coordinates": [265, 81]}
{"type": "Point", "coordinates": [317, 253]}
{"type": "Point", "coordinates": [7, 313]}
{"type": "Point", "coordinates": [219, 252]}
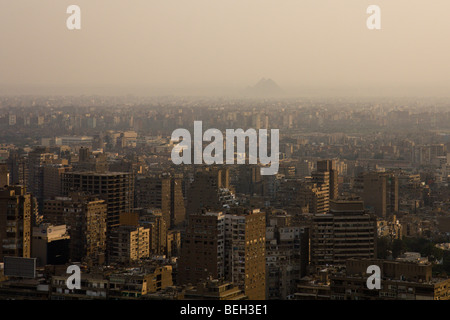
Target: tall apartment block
{"type": "Point", "coordinates": [320, 188]}
{"type": "Point", "coordinates": [204, 191]}
{"type": "Point", "coordinates": [173, 247]}
{"type": "Point", "coordinates": [330, 167]}
{"type": "Point", "coordinates": [177, 206]}
{"type": "Point", "coordinates": [16, 209]}
{"type": "Point", "coordinates": [245, 252]}
{"type": "Point", "coordinates": [50, 244]}
{"type": "Point", "coordinates": [203, 248]}
{"type": "Point", "coordinates": [85, 217]}
{"type": "Point", "coordinates": [249, 180]}
{"type": "Point", "coordinates": [17, 168]}
{"type": "Point", "coordinates": [315, 197]}
{"type": "Point", "coordinates": [37, 159]}
{"type": "Point", "coordinates": [322, 180]}
{"type": "Point", "coordinates": [130, 242]}
{"type": "Point", "coordinates": [164, 193]}
{"type": "Point", "coordinates": [287, 255]}
{"type": "Point", "coordinates": [4, 175]}
{"type": "Point", "coordinates": [52, 175]}
{"type": "Point", "coordinates": [87, 161]}
{"type": "Point", "coordinates": [346, 232]}
{"type": "Point", "coordinates": [152, 220]}
{"type": "Point", "coordinates": [381, 193]}
{"type": "Point", "coordinates": [158, 235]}
{"type": "Point", "coordinates": [116, 188]}
{"type": "Point", "coordinates": [226, 246]}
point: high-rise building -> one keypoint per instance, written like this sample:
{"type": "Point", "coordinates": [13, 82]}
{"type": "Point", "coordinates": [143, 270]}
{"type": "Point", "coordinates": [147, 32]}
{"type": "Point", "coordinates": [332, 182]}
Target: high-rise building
{"type": "Point", "coordinates": [249, 180]}
{"type": "Point", "coordinates": [287, 255]}
{"type": "Point", "coordinates": [381, 193]}
{"type": "Point", "coordinates": [173, 248]}
{"type": "Point", "coordinates": [16, 209]}
{"type": "Point", "coordinates": [153, 192]}
{"type": "Point", "coordinates": [50, 244]}
{"type": "Point", "coordinates": [85, 218]}
{"type": "Point", "coordinates": [52, 175]}
{"type": "Point", "coordinates": [346, 232]}
{"type": "Point", "coordinates": [330, 167]}
{"type": "Point", "coordinates": [153, 220]}
{"type": "Point", "coordinates": [177, 207]}
{"type": "Point", "coordinates": [322, 180]}
{"type": "Point", "coordinates": [130, 243]}
{"type": "Point", "coordinates": [116, 188]}
{"type": "Point", "coordinates": [315, 197]}
{"type": "Point", "coordinates": [89, 161]}
{"type": "Point", "coordinates": [4, 175]}
{"type": "Point", "coordinates": [203, 248]}
{"type": "Point", "coordinates": [245, 252]}
{"type": "Point", "coordinates": [226, 246]}
{"type": "Point", "coordinates": [278, 261]}
{"type": "Point", "coordinates": [17, 168]}
{"type": "Point", "coordinates": [164, 193]}
{"type": "Point", "coordinates": [205, 190]}
{"type": "Point", "coordinates": [36, 161]}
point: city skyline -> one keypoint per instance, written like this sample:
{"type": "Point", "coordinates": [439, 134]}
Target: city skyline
{"type": "Point", "coordinates": [246, 152]}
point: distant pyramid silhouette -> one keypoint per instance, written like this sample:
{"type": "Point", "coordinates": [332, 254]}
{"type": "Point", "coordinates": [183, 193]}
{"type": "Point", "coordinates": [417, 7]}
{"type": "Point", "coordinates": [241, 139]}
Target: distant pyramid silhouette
{"type": "Point", "coordinates": [264, 88]}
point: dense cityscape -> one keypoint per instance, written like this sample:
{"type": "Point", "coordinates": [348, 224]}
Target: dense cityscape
{"type": "Point", "coordinates": [88, 181]}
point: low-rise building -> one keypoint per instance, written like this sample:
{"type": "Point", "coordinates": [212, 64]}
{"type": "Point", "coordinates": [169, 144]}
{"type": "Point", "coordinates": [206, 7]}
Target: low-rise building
{"type": "Point", "coordinates": [400, 280]}
{"type": "Point", "coordinates": [215, 290]}
{"type": "Point", "coordinates": [135, 283]}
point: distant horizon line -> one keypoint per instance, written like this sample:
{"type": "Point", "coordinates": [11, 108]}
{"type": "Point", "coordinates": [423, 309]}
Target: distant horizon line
{"type": "Point", "coordinates": [235, 91]}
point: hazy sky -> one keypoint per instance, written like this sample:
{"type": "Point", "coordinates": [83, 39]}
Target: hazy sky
{"type": "Point", "coordinates": [224, 43]}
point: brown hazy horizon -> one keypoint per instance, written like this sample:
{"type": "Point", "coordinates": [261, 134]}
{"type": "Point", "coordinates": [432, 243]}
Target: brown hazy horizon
{"type": "Point", "coordinates": [223, 46]}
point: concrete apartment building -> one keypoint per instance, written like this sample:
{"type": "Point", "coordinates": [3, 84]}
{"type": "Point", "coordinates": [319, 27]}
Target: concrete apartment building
{"type": "Point", "coordinates": [315, 197]}
{"type": "Point", "coordinates": [50, 244]}
{"type": "Point", "coordinates": [214, 290]}
{"type": "Point", "coordinates": [164, 193]}
{"type": "Point", "coordinates": [346, 232]}
{"type": "Point", "coordinates": [245, 252]}
{"type": "Point", "coordinates": [4, 175]}
{"type": "Point", "coordinates": [130, 241]}
{"type": "Point", "coordinates": [52, 174]}
{"type": "Point", "coordinates": [287, 255]}
{"type": "Point", "coordinates": [381, 193]}
{"type": "Point", "coordinates": [153, 220]}
{"type": "Point", "coordinates": [205, 190]}
{"type": "Point", "coordinates": [116, 188]}
{"type": "Point", "coordinates": [93, 287]}
{"type": "Point", "coordinates": [16, 209]}
{"type": "Point", "coordinates": [129, 244]}
{"type": "Point", "coordinates": [321, 187]}
{"type": "Point", "coordinates": [85, 217]}
{"type": "Point", "coordinates": [18, 169]}
{"type": "Point", "coordinates": [37, 159]}
{"type": "Point", "coordinates": [329, 166]}
{"type": "Point", "coordinates": [136, 283]}
{"type": "Point", "coordinates": [203, 248]}
{"type": "Point", "coordinates": [400, 280]}
{"type": "Point", "coordinates": [226, 246]}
